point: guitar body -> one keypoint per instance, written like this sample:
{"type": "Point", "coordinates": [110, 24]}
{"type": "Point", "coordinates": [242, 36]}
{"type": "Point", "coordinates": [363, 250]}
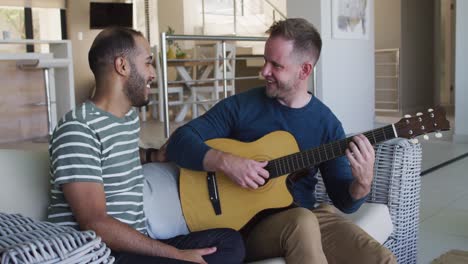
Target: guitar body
{"type": "Point", "coordinates": [238, 205]}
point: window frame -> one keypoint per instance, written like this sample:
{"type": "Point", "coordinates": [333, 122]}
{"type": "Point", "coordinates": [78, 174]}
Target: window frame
{"type": "Point", "coordinates": [29, 28]}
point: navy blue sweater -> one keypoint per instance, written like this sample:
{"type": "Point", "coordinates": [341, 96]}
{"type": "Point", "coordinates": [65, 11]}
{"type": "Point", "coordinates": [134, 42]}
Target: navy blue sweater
{"type": "Point", "coordinates": [249, 116]}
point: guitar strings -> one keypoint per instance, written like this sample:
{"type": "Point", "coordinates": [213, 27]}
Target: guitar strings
{"type": "Point", "coordinates": [292, 162]}
{"type": "Point", "coordinates": [289, 161]}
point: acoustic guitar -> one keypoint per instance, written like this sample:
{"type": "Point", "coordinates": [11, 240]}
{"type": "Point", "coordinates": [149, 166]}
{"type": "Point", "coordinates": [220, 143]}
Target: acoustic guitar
{"type": "Point", "coordinates": [212, 200]}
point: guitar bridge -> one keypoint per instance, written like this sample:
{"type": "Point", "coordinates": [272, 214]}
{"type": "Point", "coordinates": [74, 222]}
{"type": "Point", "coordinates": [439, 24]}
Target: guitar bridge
{"type": "Point", "coordinates": [213, 192]}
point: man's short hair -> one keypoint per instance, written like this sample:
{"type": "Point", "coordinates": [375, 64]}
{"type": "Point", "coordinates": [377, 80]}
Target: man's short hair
{"type": "Point", "coordinates": [307, 40]}
{"type": "Point", "coordinates": [110, 44]}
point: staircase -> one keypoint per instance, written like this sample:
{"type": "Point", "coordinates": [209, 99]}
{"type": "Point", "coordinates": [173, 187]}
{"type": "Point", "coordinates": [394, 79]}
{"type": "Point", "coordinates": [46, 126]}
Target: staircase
{"type": "Point", "coordinates": [240, 18]}
{"type": "Point", "coordinates": [387, 81]}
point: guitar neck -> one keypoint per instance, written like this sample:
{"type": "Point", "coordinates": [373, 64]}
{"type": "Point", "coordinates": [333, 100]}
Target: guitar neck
{"type": "Point", "coordinates": [311, 157]}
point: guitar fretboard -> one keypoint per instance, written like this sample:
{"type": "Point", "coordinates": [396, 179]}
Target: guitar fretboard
{"type": "Point", "coordinates": [314, 156]}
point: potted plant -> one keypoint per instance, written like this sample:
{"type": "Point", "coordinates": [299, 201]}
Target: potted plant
{"type": "Point", "coordinates": [174, 50]}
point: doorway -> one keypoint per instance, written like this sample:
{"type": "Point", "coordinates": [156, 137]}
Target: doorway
{"type": "Point", "coordinates": [422, 70]}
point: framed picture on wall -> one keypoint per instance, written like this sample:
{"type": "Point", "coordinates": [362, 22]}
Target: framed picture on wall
{"type": "Point", "coordinates": [350, 19]}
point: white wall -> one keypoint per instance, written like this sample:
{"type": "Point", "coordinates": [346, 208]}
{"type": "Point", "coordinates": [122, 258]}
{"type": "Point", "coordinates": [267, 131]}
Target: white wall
{"type": "Point", "coordinates": [171, 13]}
{"type": "Point", "coordinates": [313, 14]}
{"type": "Point", "coordinates": [461, 76]}
{"type": "Point", "coordinates": [280, 5]}
{"type": "Point", "coordinates": [184, 16]}
{"type": "Point", "coordinates": [193, 20]}
{"type": "Point", "coordinates": [78, 21]}
{"type": "Point", "coordinates": [345, 75]}
{"type": "Point", "coordinates": [154, 22]}
{"type": "Point", "coordinates": [308, 9]}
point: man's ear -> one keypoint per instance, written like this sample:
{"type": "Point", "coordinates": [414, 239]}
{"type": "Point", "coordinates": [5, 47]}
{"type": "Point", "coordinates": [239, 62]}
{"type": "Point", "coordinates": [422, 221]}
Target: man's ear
{"type": "Point", "coordinates": [121, 66]}
{"type": "Point", "coordinates": [306, 70]}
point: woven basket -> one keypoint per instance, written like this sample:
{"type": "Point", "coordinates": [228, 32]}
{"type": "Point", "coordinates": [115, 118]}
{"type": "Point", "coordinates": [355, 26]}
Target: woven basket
{"type": "Point", "coordinates": [397, 184]}
{"type": "Point", "coordinates": [24, 240]}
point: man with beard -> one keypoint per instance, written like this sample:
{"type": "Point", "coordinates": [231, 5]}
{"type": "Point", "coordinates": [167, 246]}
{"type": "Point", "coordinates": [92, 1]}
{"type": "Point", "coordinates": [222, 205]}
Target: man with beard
{"type": "Point", "coordinates": [97, 181]}
{"type": "Point", "coordinates": [304, 233]}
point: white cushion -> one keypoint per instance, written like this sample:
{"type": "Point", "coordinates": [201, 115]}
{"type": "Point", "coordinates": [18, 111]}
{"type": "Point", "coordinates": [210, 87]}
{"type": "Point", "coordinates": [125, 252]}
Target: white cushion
{"type": "Point", "coordinates": [24, 182]}
{"type": "Point", "coordinates": [374, 219]}
{"type": "Point", "coordinates": [270, 261]}
{"type": "Point", "coordinates": [161, 201]}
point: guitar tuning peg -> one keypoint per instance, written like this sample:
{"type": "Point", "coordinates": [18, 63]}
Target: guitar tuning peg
{"type": "Point", "coordinates": [419, 114]}
{"type": "Point", "coordinates": [426, 137]}
{"type": "Point", "coordinates": [407, 116]}
{"type": "Point", "coordinates": [430, 110]}
{"type": "Point", "coordinates": [414, 140]}
{"type": "Point", "coordinates": [438, 135]}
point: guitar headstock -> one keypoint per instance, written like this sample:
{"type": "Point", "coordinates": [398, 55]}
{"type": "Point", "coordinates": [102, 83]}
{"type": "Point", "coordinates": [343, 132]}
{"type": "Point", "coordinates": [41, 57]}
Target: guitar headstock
{"type": "Point", "coordinates": [434, 120]}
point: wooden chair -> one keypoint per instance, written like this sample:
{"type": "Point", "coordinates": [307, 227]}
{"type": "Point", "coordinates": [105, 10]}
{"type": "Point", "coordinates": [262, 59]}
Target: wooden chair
{"type": "Point", "coordinates": [213, 87]}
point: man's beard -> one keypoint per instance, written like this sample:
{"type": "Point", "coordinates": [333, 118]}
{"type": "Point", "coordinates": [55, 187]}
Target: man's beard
{"type": "Point", "coordinates": [135, 88]}
{"type": "Point", "coordinates": [280, 89]}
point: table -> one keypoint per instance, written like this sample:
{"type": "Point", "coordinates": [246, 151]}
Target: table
{"type": "Point", "coordinates": [188, 80]}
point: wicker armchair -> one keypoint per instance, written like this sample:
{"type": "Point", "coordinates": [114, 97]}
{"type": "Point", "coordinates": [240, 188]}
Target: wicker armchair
{"type": "Point", "coordinates": [397, 184]}
{"type": "Point", "coordinates": [24, 240]}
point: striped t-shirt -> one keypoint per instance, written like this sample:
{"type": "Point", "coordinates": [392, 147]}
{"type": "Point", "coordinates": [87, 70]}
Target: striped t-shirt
{"type": "Point", "coordinates": [91, 145]}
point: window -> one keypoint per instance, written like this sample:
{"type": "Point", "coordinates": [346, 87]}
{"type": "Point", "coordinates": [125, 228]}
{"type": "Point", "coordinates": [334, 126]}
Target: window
{"type": "Point", "coordinates": [12, 25]}
{"type": "Point", "coordinates": [17, 22]}
{"type": "Point", "coordinates": [46, 25]}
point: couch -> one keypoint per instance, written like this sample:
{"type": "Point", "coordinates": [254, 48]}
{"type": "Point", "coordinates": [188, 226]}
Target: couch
{"type": "Point", "coordinates": [395, 194]}
{"type": "Point", "coordinates": [23, 202]}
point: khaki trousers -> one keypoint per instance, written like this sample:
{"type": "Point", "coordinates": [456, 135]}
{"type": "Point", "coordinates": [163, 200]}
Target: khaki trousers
{"type": "Point", "coordinates": [319, 236]}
